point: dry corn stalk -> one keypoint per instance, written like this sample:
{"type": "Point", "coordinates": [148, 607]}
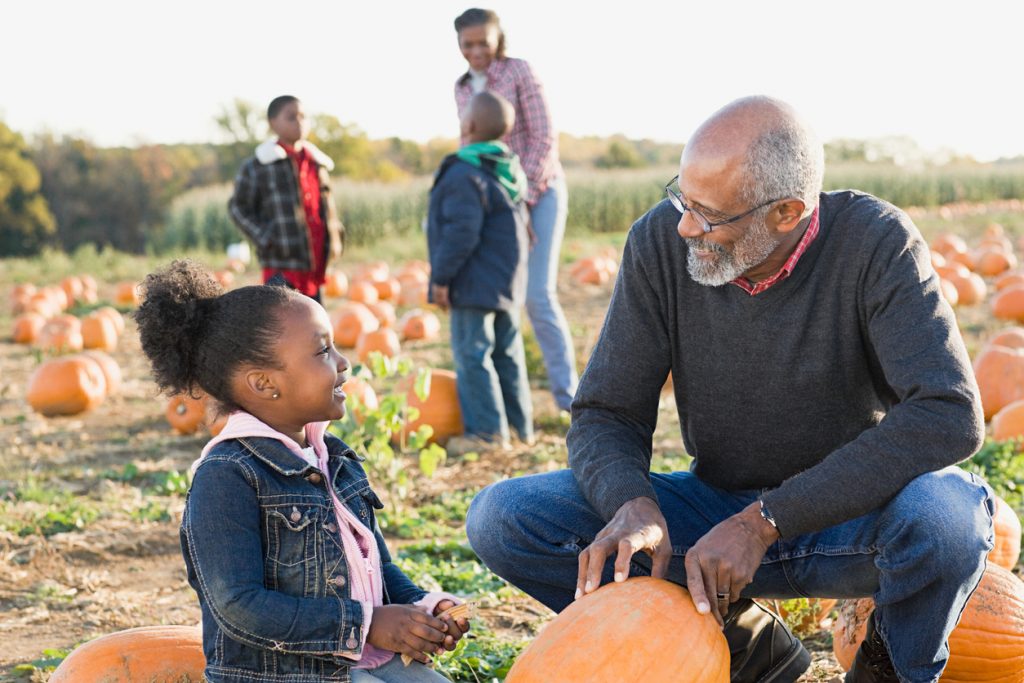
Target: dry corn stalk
{"type": "Point", "coordinates": [463, 611]}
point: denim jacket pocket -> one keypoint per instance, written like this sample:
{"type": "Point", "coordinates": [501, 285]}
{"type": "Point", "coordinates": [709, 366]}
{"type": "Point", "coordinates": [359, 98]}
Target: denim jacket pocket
{"type": "Point", "coordinates": [293, 547]}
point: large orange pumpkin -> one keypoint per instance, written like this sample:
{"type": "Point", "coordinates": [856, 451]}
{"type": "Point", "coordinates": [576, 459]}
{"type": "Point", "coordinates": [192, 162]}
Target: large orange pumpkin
{"type": "Point", "coordinates": [66, 386]}
{"type": "Point", "coordinates": [185, 413]}
{"type": "Point", "coordinates": [1008, 304]}
{"type": "Point", "coordinates": [1000, 374]}
{"type": "Point", "coordinates": [27, 327]}
{"type": "Point", "coordinates": [384, 340]}
{"type": "Point", "coordinates": [148, 653]}
{"type": "Point", "coordinates": [418, 324]}
{"type": "Point", "coordinates": [99, 332]}
{"type": "Point", "coordinates": [441, 409]}
{"type": "Point", "coordinates": [1006, 551]}
{"type": "Point", "coordinates": [987, 645]}
{"type": "Point", "coordinates": [639, 630]}
{"type": "Point", "coordinates": [351, 321]}
{"type": "Point", "coordinates": [111, 370]}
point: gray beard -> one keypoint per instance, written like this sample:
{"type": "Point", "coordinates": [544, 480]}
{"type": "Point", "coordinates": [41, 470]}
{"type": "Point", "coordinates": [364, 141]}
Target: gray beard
{"type": "Point", "coordinates": [750, 251]}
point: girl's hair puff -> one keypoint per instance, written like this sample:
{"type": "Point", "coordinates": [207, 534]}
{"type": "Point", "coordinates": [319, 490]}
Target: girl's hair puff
{"type": "Point", "coordinates": [196, 336]}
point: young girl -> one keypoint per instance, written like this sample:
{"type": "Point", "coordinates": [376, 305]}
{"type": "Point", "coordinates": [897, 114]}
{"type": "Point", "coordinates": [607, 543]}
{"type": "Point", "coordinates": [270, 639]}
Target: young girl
{"type": "Point", "coordinates": [294, 580]}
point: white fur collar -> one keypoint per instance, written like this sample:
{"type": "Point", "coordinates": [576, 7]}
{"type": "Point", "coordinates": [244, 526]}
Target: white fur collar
{"type": "Point", "coordinates": [268, 152]}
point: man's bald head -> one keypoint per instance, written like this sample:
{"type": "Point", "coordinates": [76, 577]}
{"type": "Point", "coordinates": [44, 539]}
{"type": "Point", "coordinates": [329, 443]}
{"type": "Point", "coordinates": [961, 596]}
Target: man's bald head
{"type": "Point", "coordinates": [765, 147]}
{"type": "Point", "coordinates": [489, 117]}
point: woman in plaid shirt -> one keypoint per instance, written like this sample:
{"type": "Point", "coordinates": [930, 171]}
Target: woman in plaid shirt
{"type": "Point", "coordinates": [535, 141]}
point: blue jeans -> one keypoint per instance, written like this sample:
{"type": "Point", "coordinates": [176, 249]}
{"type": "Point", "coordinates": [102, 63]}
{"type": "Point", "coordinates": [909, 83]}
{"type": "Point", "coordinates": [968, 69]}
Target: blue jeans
{"type": "Point", "coordinates": [490, 365]}
{"type": "Point", "coordinates": [548, 218]}
{"type": "Point", "coordinates": [920, 557]}
{"type": "Point", "coordinates": [396, 672]}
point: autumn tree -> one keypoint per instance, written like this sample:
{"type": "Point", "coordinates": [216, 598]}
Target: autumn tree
{"type": "Point", "coordinates": [26, 223]}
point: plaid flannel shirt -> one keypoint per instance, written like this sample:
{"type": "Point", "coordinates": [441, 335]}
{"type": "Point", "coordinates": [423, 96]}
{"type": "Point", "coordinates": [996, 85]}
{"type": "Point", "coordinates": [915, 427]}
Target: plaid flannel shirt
{"type": "Point", "coordinates": [533, 138]}
{"type": "Point", "coordinates": [266, 206]}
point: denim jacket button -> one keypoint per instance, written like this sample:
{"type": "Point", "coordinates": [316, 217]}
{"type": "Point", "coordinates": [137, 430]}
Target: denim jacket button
{"type": "Point", "coordinates": [296, 516]}
{"type": "Point", "coordinates": [331, 526]}
{"type": "Point", "coordinates": [314, 478]}
{"type": "Point", "coordinates": [351, 643]}
{"type": "Point", "coordinates": [338, 581]}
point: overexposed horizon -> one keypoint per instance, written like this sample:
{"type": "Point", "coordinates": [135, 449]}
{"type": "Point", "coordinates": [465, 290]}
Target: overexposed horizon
{"type": "Point", "coordinates": [122, 73]}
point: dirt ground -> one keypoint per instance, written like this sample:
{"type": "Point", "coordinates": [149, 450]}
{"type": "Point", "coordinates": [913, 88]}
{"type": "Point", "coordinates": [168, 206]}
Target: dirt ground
{"type": "Point", "coordinates": [120, 571]}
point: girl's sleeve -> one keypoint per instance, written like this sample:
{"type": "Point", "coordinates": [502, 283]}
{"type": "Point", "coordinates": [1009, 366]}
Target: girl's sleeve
{"type": "Point", "coordinates": [221, 539]}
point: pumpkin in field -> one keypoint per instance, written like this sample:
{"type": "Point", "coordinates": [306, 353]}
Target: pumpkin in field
{"type": "Point", "coordinates": [111, 370]}
{"type": "Point", "coordinates": [1008, 304]}
{"type": "Point", "coordinates": [363, 291]}
{"type": "Point", "coordinates": [411, 274]}
{"type": "Point", "coordinates": [949, 291]}
{"type": "Point", "coordinates": [336, 284]}
{"type": "Point", "coordinates": [127, 294]}
{"type": "Point", "coordinates": [185, 413]}
{"type": "Point", "coordinates": [66, 386]}
{"type": "Point", "coordinates": [351, 321]}
{"type": "Point", "coordinates": [991, 261]}
{"type": "Point", "coordinates": [58, 296]}
{"type": "Point", "coordinates": [384, 311]}
{"type": "Point", "coordinates": [938, 260]}
{"type": "Point", "coordinates": [1006, 550]}
{"type": "Point", "coordinates": [593, 270]}
{"type": "Point", "coordinates": [971, 289]}
{"type": "Point", "coordinates": [72, 287]}
{"type": "Point", "coordinates": [358, 391]}
{"type": "Point", "coordinates": [388, 289]}
{"type": "Point", "coordinates": [639, 630]}
{"type": "Point", "coordinates": [88, 282]}
{"type": "Point", "coordinates": [27, 327]}
{"type": "Point", "coordinates": [114, 315]}
{"type": "Point", "coordinates": [1000, 374]}
{"type": "Point", "coordinates": [374, 271]}
{"type": "Point", "coordinates": [148, 653]}
{"type": "Point", "coordinates": [1009, 280]}
{"type": "Point", "coordinates": [418, 324]}
{"type": "Point", "coordinates": [61, 335]}
{"type": "Point", "coordinates": [414, 293]}
{"type": "Point", "coordinates": [987, 645]}
{"type": "Point", "coordinates": [440, 410]}
{"type": "Point", "coordinates": [99, 332]}
{"type": "Point", "coordinates": [215, 422]}
{"type": "Point", "coordinates": [1011, 336]}
{"type": "Point", "coordinates": [384, 340]}
{"type": "Point", "coordinates": [1008, 423]}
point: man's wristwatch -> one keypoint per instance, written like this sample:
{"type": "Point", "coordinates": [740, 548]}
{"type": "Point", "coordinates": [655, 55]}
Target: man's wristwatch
{"type": "Point", "coordinates": [767, 516]}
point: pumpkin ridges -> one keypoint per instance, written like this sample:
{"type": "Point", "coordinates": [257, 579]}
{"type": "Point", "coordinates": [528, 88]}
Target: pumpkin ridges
{"type": "Point", "coordinates": [148, 653]}
{"type": "Point", "coordinates": [66, 386]}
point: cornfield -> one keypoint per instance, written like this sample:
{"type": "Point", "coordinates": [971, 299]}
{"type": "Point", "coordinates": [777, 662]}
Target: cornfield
{"type": "Point", "coordinates": [599, 201]}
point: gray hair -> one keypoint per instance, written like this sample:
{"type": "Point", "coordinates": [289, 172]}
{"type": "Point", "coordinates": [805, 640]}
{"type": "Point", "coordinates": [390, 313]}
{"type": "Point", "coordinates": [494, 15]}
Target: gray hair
{"type": "Point", "coordinates": [787, 161]}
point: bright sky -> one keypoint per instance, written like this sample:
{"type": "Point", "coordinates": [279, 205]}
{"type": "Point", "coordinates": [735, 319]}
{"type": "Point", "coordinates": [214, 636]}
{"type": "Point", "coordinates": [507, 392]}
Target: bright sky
{"type": "Point", "coordinates": [945, 73]}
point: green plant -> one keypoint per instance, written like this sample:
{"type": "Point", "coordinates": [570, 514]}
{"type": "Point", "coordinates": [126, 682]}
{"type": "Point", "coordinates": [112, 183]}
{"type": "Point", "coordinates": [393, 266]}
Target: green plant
{"type": "Point", "coordinates": [49, 660]}
{"type": "Point", "coordinates": [1001, 464]}
{"type": "Point", "coordinates": [450, 566]}
{"type": "Point", "coordinates": [480, 657]}
{"type": "Point", "coordinates": [35, 508]}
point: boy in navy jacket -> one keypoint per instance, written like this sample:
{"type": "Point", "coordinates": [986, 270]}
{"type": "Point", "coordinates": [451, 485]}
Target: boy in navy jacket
{"type": "Point", "coordinates": [477, 235]}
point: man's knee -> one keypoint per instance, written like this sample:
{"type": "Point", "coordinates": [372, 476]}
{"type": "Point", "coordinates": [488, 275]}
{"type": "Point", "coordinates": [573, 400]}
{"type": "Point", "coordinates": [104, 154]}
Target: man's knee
{"type": "Point", "coordinates": [490, 520]}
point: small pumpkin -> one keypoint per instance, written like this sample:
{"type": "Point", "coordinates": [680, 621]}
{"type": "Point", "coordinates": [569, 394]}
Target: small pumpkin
{"type": "Point", "coordinates": [127, 294]}
{"type": "Point", "coordinates": [88, 282]}
{"type": "Point", "coordinates": [384, 311]}
{"type": "Point", "coordinates": [72, 287]}
{"type": "Point", "coordinates": [991, 261]}
{"type": "Point", "coordinates": [414, 293]}
{"type": "Point", "coordinates": [186, 414]}
{"type": "Point", "coordinates": [99, 332]}
{"type": "Point", "coordinates": [351, 321]}
{"type": "Point", "coordinates": [363, 291]}
{"type": "Point", "coordinates": [147, 653]}
{"type": "Point", "coordinates": [388, 289]}
{"type": "Point", "coordinates": [114, 315]}
{"type": "Point", "coordinates": [441, 408]}
{"type": "Point", "coordinates": [111, 370]}
{"type": "Point", "coordinates": [384, 340]}
{"type": "Point", "coordinates": [418, 324]}
{"type": "Point", "coordinates": [335, 284]}
{"type": "Point", "coordinates": [646, 619]}
{"type": "Point", "coordinates": [1006, 280]}
{"type": "Point", "coordinates": [1011, 336]}
{"type": "Point", "coordinates": [1000, 374]}
{"type": "Point", "coordinates": [66, 386]}
{"type": "Point", "coordinates": [27, 327]}
{"type": "Point", "coordinates": [60, 336]}
{"type": "Point", "coordinates": [373, 271]}
{"type": "Point", "coordinates": [971, 289]}
{"type": "Point", "coordinates": [949, 291]}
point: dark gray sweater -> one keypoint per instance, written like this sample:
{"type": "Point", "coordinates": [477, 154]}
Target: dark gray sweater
{"type": "Point", "coordinates": [834, 387]}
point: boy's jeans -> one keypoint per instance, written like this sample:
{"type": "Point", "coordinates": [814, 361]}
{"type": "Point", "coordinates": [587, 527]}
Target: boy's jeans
{"type": "Point", "coordinates": [920, 556]}
{"type": "Point", "coordinates": [548, 218]}
{"type": "Point", "coordinates": [490, 364]}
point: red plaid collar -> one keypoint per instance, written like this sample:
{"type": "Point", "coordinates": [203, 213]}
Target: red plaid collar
{"type": "Point", "coordinates": [755, 288]}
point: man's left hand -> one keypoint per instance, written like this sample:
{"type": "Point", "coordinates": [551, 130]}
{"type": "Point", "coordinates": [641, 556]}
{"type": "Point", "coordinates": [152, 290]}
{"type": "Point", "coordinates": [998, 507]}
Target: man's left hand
{"type": "Point", "coordinates": [723, 562]}
{"type": "Point", "coordinates": [440, 296]}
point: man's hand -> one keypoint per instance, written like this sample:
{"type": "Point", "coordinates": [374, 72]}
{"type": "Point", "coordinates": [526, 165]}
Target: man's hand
{"type": "Point", "coordinates": [407, 630]}
{"type": "Point", "coordinates": [440, 296]}
{"type": "Point", "coordinates": [637, 525]}
{"type": "Point", "coordinates": [456, 627]}
{"type": "Point", "coordinates": [721, 564]}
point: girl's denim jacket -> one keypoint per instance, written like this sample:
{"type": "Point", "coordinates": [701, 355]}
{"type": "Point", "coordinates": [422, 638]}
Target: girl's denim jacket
{"type": "Point", "coordinates": [262, 550]}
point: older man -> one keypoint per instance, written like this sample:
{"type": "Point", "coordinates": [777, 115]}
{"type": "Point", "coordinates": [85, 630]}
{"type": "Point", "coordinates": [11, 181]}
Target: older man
{"type": "Point", "coordinates": [823, 391]}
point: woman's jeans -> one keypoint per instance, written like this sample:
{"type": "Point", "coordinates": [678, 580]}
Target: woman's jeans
{"type": "Point", "coordinates": [395, 672]}
{"type": "Point", "coordinates": [549, 325]}
{"type": "Point", "coordinates": [920, 556]}
{"type": "Point", "coordinates": [490, 367]}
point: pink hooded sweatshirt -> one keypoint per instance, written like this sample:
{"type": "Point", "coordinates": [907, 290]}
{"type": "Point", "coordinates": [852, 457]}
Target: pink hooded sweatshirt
{"type": "Point", "coordinates": [358, 541]}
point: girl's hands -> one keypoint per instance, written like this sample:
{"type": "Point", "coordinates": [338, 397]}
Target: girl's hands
{"type": "Point", "coordinates": [407, 630]}
{"type": "Point", "coordinates": [456, 627]}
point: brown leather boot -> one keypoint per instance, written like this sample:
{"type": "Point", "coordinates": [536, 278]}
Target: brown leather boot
{"type": "Point", "coordinates": [762, 648]}
{"type": "Point", "coordinates": [872, 663]}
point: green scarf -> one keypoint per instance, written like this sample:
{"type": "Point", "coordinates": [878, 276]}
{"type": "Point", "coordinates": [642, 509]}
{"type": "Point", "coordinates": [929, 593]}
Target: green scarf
{"type": "Point", "coordinates": [501, 162]}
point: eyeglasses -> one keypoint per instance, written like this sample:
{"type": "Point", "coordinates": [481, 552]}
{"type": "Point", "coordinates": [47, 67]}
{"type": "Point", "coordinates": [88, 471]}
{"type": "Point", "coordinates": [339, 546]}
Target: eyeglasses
{"type": "Point", "coordinates": [682, 207]}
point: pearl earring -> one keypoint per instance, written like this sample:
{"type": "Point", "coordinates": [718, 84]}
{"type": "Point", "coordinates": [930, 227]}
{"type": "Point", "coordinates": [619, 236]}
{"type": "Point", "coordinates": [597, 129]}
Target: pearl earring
{"type": "Point", "coordinates": [276, 395]}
